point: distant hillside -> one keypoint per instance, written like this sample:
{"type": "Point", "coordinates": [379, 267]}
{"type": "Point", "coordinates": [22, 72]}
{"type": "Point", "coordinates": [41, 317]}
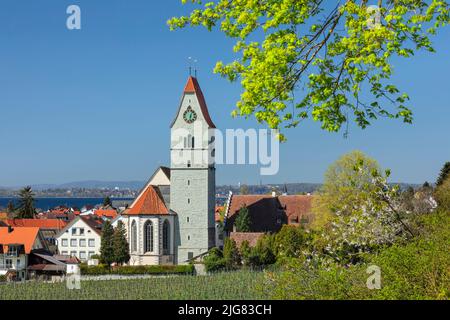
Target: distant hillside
{"type": "Point", "coordinates": [292, 188]}
{"type": "Point", "coordinates": [88, 184]}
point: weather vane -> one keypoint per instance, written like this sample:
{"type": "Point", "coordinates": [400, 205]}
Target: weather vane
{"type": "Point", "coordinates": [192, 63]}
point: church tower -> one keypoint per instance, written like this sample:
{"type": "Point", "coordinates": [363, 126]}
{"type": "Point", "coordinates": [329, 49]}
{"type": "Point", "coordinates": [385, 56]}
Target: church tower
{"type": "Point", "coordinates": [192, 175]}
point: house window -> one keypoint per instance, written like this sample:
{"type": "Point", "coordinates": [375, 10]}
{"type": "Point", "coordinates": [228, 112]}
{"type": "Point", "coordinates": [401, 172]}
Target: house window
{"type": "Point", "coordinates": [133, 236]}
{"type": "Point", "coordinates": [64, 242]}
{"type": "Point", "coordinates": [187, 219]}
{"type": "Point", "coordinates": [64, 253]}
{"type": "Point", "coordinates": [73, 253]}
{"type": "Point", "coordinates": [81, 231]}
{"type": "Point", "coordinates": [83, 255]}
{"type": "Point", "coordinates": [8, 263]}
{"type": "Point", "coordinates": [166, 237]}
{"type": "Point", "coordinates": [73, 242]}
{"type": "Point", "coordinates": [189, 237]}
{"type": "Point", "coordinates": [90, 254]}
{"type": "Point", "coordinates": [91, 242]}
{"type": "Point", "coordinates": [82, 242]}
{"type": "Point", "coordinates": [148, 236]}
{"type": "Point", "coordinates": [190, 255]}
{"type": "Point", "coordinates": [18, 263]}
{"type": "Point", "coordinates": [74, 231]}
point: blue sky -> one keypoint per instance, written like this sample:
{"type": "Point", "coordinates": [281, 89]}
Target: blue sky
{"type": "Point", "coordinates": [97, 103]}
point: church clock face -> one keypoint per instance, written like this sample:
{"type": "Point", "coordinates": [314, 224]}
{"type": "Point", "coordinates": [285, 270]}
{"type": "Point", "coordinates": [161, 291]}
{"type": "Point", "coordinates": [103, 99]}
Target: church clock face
{"type": "Point", "coordinates": [189, 115]}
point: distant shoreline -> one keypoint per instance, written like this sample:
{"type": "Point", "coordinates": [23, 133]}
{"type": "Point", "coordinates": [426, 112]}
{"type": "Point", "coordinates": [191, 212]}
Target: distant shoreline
{"type": "Point", "coordinates": [50, 197]}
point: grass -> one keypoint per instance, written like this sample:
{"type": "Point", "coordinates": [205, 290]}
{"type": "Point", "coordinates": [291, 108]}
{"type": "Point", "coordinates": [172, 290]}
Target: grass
{"type": "Point", "coordinates": [240, 285]}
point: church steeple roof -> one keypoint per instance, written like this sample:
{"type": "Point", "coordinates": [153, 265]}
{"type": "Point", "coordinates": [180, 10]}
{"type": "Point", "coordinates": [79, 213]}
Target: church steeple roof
{"type": "Point", "coordinates": [192, 86]}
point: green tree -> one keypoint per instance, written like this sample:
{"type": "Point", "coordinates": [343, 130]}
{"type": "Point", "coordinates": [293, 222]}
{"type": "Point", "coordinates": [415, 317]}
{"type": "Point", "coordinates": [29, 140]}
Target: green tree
{"type": "Point", "coordinates": [26, 208]}
{"type": "Point", "coordinates": [337, 54]}
{"type": "Point", "coordinates": [244, 189]}
{"type": "Point", "coordinates": [107, 201]}
{"type": "Point", "coordinates": [245, 252]}
{"type": "Point", "coordinates": [343, 185]}
{"type": "Point", "coordinates": [445, 172]}
{"type": "Point", "coordinates": [214, 261]}
{"type": "Point", "coordinates": [120, 244]}
{"type": "Point", "coordinates": [362, 210]}
{"type": "Point", "coordinates": [289, 241]}
{"type": "Point", "coordinates": [231, 254]}
{"type": "Point", "coordinates": [443, 194]}
{"type": "Point", "coordinates": [242, 222]}
{"type": "Point", "coordinates": [107, 244]}
{"type": "Point", "coordinates": [263, 253]}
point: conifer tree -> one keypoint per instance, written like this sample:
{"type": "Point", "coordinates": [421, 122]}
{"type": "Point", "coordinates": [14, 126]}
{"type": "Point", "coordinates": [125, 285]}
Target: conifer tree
{"type": "Point", "coordinates": [445, 172]}
{"type": "Point", "coordinates": [107, 244]}
{"type": "Point", "coordinates": [242, 222]}
{"type": "Point", "coordinates": [231, 254]}
{"type": "Point", "coordinates": [107, 201]}
{"type": "Point", "coordinates": [120, 244]}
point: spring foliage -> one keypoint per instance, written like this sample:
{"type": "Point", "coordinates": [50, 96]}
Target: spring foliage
{"type": "Point", "coordinates": [337, 54]}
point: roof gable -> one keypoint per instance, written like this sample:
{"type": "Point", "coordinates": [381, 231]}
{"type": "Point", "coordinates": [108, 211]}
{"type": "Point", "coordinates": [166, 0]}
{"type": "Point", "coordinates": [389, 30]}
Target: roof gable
{"type": "Point", "coordinates": [25, 236]}
{"type": "Point", "coordinates": [193, 87]}
{"type": "Point", "coordinates": [149, 201]}
{"type": "Point", "coordinates": [90, 221]}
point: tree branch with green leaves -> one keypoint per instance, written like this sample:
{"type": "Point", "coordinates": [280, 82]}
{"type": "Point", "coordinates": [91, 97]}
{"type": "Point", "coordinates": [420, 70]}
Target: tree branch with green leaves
{"type": "Point", "coordinates": [335, 55]}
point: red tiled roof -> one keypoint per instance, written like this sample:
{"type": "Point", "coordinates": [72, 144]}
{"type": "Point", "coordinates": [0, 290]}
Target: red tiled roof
{"type": "Point", "coordinates": [268, 213]}
{"type": "Point", "coordinates": [39, 223]}
{"type": "Point", "coordinates": [149, 201]}
{"type": "Point", "coordinates": [20, 235]}
{"type": "Point", "coordinates": [297, 207]}
{"type": "Point", "coordinates": [251, 237]}
{"type": "Point", "coordinates": [94, 222]}
{"type": "Point", "coordinates": [109, 213]}
{"type": "Point", "coordinates": [3, 215]}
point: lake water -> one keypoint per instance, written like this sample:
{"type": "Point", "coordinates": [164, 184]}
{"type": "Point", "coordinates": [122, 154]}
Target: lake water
{"type": "Point", "coordinates": [48, 203]}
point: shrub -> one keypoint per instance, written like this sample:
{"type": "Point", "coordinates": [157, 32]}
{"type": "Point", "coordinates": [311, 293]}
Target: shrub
{"type": "Point", "coordinates": [443, 194]}
{"type": "Point", "coordinates": [136, 270]}
{"type": "Point", "coordinates": [289, 241]}
{"type": "Point", "coordinates": [262, 254]}
{"type": "Point", "coordinates": [2, 278]}
{"type": "Point", "coordinates": [414, 270]}
{"type": "Point", "coordinates": [231, 254]}
{"type": "Point", "coordinates": [214, 261]}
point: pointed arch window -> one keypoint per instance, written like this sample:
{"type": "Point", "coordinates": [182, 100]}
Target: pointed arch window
{"type": "Point", "coordinates": [193, 143]}
{"type": "Point", "coordinates": [166, 237]}
{"type": "Point", "coordinates": [133, 236]}
{"type": "Point", "coordinates": [148, 236]}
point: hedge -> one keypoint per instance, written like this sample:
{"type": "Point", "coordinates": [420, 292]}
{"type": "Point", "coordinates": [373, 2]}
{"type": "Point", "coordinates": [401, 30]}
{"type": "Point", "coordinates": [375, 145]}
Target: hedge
{"type": "Point", "coordinates": [136, 270]}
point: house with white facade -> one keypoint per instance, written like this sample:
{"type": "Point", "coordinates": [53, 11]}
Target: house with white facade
{"type": "Point", "coordinates": [81, 238]}
{"type": "Point", "coordinates": [16, 244]}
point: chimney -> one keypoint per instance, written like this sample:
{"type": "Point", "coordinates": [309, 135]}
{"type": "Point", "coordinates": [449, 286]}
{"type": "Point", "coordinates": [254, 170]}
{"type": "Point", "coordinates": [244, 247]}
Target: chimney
{"type": "Point", "coordinates": [10, 229]}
